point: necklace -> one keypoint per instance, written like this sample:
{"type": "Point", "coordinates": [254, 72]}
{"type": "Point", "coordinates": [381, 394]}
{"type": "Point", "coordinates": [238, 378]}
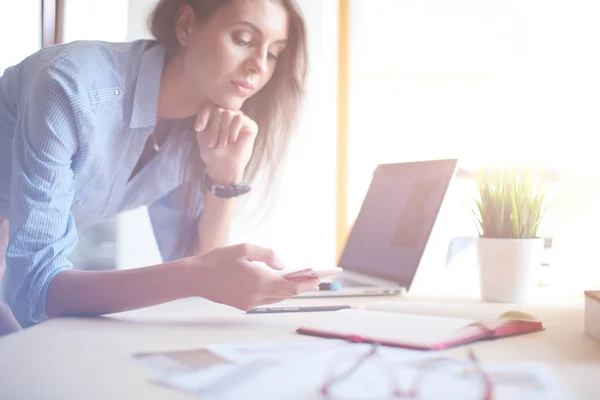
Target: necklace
{"type": "Point", "coordinates": [155, 144]}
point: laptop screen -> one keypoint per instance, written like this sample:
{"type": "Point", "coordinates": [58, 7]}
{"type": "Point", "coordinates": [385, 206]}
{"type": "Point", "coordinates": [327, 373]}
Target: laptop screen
{"type": "Point", "coordinates": [395, 221]}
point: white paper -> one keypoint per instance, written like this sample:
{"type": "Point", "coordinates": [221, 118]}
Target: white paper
{"type": "Point", "coordinates": [322, 349]}
{"type": "Point", "coordinates": [245, 352]}
{"type": "Point", "coordinates": [259, 373]}
{"type": "Point", "coordinates": [215, 380]}
{"type": "Point", "coordinates": [278, 371]}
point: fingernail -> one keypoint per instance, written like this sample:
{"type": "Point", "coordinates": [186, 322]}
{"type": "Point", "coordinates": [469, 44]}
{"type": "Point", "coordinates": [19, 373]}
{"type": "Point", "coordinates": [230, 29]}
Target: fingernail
{"type": "Point", "coordinates": [199, 128]}
{"type": "Point", "coordinates": [279, 264]}
{"type": "Point", "coordinates": [316, 288]}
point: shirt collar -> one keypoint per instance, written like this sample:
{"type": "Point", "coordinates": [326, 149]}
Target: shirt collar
{"type": "Point", "coordinates": [145, 98]}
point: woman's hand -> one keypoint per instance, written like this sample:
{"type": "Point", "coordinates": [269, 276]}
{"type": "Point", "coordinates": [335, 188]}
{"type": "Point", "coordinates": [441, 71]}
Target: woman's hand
{"type": "Point", "coordinates": [8, 322]}
{"type": "Point", "coordinates": [230, 275]}
{"type": "Point", "coordinates": [226, 139]}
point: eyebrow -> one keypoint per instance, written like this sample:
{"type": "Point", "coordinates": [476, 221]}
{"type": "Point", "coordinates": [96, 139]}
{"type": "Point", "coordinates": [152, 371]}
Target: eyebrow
{"type": "Point", "coordinates": [257, 30]}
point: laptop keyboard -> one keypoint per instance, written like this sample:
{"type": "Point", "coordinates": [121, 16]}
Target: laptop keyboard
{"type": "Point", "coordinates": [349, 283]}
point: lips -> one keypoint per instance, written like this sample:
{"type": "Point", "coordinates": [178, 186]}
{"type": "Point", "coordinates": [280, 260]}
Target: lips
{"type": "Point", "coordinates": [243, 88]}
{"type": "Point", "coordinates": [244, 84]}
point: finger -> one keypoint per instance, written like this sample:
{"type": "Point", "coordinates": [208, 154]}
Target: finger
{"type": "Point", "coordinates": [202, 117]}
{"type": "Point", "coordinates": [214, 125]}
{"type": "Point", "coordinates": [262, 254]}
{"type": "Point", "coordinates": [292, 288]}
{"type": "Point", "coordinates": [249, 127]}
{"type": "Point", "coordinates": [226, 119]}
{"type": "Point", "coordinates": [236, 126]}
{"type": "Point", "coordinates": [269, 301]}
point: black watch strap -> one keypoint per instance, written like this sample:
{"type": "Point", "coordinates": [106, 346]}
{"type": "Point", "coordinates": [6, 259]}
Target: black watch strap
{"type": "Point", "coordinates": [225, 192]}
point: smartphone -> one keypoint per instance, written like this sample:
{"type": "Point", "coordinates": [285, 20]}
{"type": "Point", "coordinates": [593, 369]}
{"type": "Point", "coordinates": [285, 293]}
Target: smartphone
{"type": "Point", "coordinates": [310, 273]}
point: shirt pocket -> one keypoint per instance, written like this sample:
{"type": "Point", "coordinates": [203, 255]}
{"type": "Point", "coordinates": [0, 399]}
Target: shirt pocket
{"type": "Point", "coordinates": [103, 95]}
{"type": "Point", "coordinates": [107, 104]}
{"type": "Point", "coordinates": [88, 189]}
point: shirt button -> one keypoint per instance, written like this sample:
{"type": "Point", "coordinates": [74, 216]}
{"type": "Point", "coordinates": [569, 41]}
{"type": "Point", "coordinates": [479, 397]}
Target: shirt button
{"type": "Point", "coordinates": [117, 92]}
{"type": "Point", "coordinates": [105, 214]}
{"type": "Point", "coordinates": [79, 203]}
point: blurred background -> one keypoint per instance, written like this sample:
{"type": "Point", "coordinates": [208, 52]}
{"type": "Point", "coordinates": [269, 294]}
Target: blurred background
{"type": "Point", "coordinates": [490, 82]}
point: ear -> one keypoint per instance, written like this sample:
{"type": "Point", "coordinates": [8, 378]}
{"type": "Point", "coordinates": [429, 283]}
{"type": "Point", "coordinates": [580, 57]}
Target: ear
{"type": "Point", "coordinates": [185, 24]}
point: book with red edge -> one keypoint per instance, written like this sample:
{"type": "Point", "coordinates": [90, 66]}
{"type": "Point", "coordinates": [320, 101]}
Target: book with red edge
{"type": "Point", "coordinates": [419, 331]}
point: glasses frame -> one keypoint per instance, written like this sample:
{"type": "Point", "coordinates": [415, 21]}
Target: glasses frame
{"type": "Point", "coordinates": [415, 389]}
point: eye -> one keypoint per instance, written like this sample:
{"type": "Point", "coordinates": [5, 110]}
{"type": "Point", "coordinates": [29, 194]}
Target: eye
{"type": "Point", "coordinates": [241, 39]}
{"type": "Point", "coordinates": [275, 54]}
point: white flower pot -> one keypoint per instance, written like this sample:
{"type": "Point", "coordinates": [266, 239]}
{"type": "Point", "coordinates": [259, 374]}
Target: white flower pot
{"type": "Point", "coordinates": [508, 268]}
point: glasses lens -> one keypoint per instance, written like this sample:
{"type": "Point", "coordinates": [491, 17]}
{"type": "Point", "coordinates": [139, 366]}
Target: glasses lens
{"type": "Point", "coordinates": [451, 379]}
{"type": "Point", "coordinates": [368, 380]}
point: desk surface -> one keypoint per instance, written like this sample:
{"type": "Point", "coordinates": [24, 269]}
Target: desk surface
{"type": "Point", "coordinates": [74, 358]}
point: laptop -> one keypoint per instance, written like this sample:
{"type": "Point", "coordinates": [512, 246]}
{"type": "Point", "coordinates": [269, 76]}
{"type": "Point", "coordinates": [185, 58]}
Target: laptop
{"type": "Point", "coordinates": [389, 236]}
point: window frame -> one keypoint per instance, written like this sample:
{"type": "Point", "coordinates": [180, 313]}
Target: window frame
{"type": "Point", "coordinates": [52, 22]}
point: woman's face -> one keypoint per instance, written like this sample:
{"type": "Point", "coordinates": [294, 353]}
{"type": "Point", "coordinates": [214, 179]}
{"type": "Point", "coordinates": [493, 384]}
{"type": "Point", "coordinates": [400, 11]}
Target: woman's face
{"type": "Point", "coordinates": [233, 55]}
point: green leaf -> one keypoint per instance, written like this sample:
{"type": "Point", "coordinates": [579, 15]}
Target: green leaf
{"type": "Point", "coordinates": [509, 203]}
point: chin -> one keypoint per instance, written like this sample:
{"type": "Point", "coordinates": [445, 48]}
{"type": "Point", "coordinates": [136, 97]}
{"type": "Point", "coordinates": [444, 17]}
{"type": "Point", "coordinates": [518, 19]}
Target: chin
{"type": "Point", "coordinates": [230, 102]}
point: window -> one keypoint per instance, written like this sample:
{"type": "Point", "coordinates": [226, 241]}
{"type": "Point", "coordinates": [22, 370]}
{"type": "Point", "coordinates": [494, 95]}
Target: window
{"type": "Point", "coordinates": [107, 20]}
{"type": "Point", "coordinates": [20, 30]}
{"type": "Point", "coordinates": [489, 82]}
{"type": "Point", "coordinates": [95, 20]}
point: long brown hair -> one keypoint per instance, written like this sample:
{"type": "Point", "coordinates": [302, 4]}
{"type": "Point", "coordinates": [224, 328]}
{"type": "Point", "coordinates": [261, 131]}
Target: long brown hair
{"type": "Point", "coordinates": [275, 108]}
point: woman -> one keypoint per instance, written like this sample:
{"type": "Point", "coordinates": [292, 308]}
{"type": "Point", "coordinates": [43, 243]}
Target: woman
{"type": "Point", "coordinates": [181, 124]}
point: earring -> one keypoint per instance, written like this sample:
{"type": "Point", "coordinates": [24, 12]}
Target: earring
{"type": "Point", "coordinates": [181, 37]}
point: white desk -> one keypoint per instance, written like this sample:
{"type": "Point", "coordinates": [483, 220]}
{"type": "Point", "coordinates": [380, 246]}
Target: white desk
{"type": "Point", "coordinates": [88, 358]}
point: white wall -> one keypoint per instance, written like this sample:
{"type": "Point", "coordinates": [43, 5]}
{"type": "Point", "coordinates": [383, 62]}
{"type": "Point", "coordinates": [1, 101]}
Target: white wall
{"type": "Point", "coordinates": [301, 223]}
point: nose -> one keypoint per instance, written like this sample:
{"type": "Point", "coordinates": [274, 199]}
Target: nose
{"type": "Point", "coordinates": [257, 62]}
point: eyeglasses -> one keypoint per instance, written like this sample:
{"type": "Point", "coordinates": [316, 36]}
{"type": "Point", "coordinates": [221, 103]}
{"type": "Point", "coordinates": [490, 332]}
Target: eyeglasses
{"type": "Point", "coordinates": [343, 380]}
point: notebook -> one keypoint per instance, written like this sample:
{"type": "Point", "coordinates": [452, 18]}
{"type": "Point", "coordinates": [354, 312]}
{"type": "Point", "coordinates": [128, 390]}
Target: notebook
{"type": "Point", "coordinates": [421, 326]}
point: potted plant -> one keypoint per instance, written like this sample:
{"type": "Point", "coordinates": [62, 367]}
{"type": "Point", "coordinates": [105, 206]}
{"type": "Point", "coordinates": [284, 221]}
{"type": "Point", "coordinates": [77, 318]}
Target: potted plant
{"type": "Point", "coordinates": [508, 209]}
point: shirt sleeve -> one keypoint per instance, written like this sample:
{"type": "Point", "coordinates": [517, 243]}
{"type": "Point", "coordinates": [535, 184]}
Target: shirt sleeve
{"type": "Point", "coordinates": [174, 228]}
{"type": "Point", "coordinates": [42, 229]}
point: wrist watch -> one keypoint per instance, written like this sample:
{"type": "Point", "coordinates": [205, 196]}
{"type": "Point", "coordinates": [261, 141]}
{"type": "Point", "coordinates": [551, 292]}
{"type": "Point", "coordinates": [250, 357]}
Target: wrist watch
{"type": "Point", "coordinates": [225, 192]}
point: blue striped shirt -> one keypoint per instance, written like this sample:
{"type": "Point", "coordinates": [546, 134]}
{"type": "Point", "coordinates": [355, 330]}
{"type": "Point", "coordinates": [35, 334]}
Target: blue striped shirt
{"type": "Point", "coordinates": [74, 120]}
